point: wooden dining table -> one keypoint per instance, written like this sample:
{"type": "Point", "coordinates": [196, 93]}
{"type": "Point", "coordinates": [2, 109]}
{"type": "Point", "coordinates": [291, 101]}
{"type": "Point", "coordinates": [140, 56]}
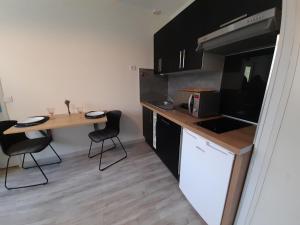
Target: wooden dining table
{"type": "Point", "coordinates": [58, 121]}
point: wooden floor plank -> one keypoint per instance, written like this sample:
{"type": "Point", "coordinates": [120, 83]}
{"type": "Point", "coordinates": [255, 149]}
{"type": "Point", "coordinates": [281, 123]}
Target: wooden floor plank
{"type": "Point", "coordinates": [137, 191]}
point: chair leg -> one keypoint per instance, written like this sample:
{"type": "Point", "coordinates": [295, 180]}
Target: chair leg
{"type": "Point", "coordinates": [33, 185]}
{"type": "Point", "coordinates": [89, 155]}
{"type": "Point", "coordinates": [101, 153]}
{"type": "Point", "coordinates": [23, 161]}
{"type": "Point", "coordinates": [47, 164]}
{"type": "Point", "coordinates": [113, 142]}
{"type": "Point", "coordinates": [6, 171]}
{"type": "Point", "coordinates": [102, 169]}
{"type": "Point", "coordinates": [59, 159]}
{"type": "Point", "coordinates": [122, 146]}
{"type": "Point", "coordinates": [111, 148]}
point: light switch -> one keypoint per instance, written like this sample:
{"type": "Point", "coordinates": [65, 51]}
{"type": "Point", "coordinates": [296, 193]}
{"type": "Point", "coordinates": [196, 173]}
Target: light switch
{"type": "Point", "coordinates": [132, 68]}
{"type": "Point", "coordinates": [8, 99]}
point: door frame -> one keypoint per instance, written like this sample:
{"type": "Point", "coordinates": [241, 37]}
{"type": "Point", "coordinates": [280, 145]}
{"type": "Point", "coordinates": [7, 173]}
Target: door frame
{"type": "Point", "coordinates": [282, 74]}
{"type": "Point", "coordinates": [3, 157]}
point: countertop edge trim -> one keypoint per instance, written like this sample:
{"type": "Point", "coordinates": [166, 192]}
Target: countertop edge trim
{"type": "Point", "coordinates": [234, 150]}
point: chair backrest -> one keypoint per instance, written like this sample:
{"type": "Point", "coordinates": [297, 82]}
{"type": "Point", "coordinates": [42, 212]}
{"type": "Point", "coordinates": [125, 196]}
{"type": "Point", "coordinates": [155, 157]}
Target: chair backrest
{"type": "Point", "coordinates": [113, 120]}
{"type": "Point", "coordinates": [8, 140]}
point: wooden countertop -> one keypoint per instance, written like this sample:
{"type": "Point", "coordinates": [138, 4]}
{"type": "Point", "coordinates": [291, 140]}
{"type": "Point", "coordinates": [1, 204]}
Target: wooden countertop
{"type": "Point", "coordinates": [237, 141]}
{"type": "Point", "coordinates": [58, 121]}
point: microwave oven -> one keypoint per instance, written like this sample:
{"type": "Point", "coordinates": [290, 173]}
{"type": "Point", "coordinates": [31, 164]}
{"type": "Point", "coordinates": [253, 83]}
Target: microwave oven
{"type": "Point", "coordinates": [199, 103]}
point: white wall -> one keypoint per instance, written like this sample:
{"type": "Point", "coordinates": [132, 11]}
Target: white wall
{"type": "Point", "coordinates": [271, 194]}
{"type": "Point", "coordinates": [280, 198]}
{"type": "Point", "coordinates": [52, 50]}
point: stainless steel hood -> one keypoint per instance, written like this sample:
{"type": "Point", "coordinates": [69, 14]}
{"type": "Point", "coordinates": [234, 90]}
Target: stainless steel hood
{"type": "Point", "coordinates": [256, 31]}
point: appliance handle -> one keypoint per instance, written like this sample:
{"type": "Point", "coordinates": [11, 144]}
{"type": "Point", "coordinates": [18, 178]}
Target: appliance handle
{"type": "Point", "coordinates": [183, 60]}
{"type": "Point", "coordinates": [214, 148]}
{"type": "Point", "coordinates": [180, 59]}
{"type": "Point", "coordinates": [190, 103]}
{"type": "Point", "coordinates": [201, 149]}
{"type": "Point", "coordinates": [190, 134]}
{"type": "Point", "coordinates": [159, 64]}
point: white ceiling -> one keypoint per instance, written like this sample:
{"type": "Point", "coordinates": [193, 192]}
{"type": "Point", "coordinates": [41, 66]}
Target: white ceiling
{"type": "Point", "coordinates": [167, 7]}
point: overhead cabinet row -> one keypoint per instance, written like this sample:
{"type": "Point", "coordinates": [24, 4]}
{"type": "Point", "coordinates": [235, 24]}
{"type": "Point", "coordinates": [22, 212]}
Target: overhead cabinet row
{"type": "Point", "coordinates": [176, 43]}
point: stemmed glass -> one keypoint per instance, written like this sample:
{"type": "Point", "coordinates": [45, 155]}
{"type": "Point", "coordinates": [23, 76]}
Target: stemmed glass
{"type": "Point", "coordinates": [51, 111]}
{"type": "Point", "coordinates": [80, 110]}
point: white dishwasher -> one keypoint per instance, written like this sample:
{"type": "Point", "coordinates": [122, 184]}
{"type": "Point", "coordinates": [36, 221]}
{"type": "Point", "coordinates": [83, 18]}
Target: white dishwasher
{"type": "Point", "coordinates": [205, 173]}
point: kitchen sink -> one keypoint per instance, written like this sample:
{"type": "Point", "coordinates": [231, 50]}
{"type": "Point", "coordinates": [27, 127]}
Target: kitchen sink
{"type": "Point", "coordinates": [166, 105]}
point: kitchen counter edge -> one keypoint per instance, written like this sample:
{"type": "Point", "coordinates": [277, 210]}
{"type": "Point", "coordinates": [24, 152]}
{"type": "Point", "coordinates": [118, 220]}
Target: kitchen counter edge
{"type": "Point", "coordinates": [238, 141]}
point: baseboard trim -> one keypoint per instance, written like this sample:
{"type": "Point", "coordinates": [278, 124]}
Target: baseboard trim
{"type": "Point", "coordinates": [132, 142]}
{"type": "Point", "coordinates": [72, 154]}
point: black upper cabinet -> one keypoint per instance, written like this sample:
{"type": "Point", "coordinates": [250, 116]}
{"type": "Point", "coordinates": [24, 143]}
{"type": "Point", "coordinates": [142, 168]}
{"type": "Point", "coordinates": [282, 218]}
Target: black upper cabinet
{"type": "Point", "coordinates": [253, 7]}
{"type": "Point", "coordinates": [175, 44]}
{"type": "Point", "coordinates": [191, 28]}
{"type": "Point", "coordinates": [160, 50]}
{"type": "Point", "coordinates": [166, 47]}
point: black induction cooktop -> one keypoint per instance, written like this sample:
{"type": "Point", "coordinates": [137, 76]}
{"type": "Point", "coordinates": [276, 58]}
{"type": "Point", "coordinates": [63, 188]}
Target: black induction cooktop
{"type": "Point", "coordinates": [222, 125]}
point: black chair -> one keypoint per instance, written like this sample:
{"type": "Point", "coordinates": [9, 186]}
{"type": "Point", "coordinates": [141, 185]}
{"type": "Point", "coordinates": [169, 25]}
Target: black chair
{"type": "Point", "coordinates": [19, 144]}
{"type": "Point", "coordinates": [111, 130]}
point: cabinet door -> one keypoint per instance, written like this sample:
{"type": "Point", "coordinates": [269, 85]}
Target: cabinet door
{"type": "Point", "coordinates": [175, 54]}
{"type": "Point", "coordinates": [168, 44]}
{"type": "Point", "coordinates": [198, 19]}
{"type": "Point", "coordinates": [204, 176]}
{"type": "Point", "coordinates": [148, 126]}
{"type": "Point", "coordinates": [192, 26]}
{"type": "Point", "coordinates": [192, 59]}
{"type": "Point", "coordinates": [160, 50]}
{"type": "Point", "coordinates": [157, 53]}
{"type": "Point", "coordinates": [168, 143]}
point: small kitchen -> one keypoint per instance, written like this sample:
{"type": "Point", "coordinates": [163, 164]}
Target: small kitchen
{"type": "Point", "coordinates": [202, 102]}
{"type": "Point", "coordinates": [174, 112]}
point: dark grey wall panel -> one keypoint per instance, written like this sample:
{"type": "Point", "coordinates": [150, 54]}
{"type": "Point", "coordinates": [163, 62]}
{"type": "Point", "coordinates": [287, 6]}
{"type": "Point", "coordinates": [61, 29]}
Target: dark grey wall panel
{"type": "Point", "coordinates": [152, 87]}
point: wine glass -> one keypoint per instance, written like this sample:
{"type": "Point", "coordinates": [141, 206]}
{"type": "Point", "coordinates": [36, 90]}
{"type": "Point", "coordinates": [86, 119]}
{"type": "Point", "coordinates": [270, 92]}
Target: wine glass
{"type": "Point", "coordinates": [51, 111]}
{"type": "Point", "coordinates": [80, 110]}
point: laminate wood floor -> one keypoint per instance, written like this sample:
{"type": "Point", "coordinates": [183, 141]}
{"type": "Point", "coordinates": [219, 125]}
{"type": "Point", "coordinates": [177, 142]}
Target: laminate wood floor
{"type": "Point", "coordinates": [137, 191]}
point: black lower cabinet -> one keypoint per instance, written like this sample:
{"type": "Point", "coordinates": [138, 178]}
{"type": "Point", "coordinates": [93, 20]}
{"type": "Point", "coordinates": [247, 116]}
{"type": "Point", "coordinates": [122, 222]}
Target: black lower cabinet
{"type": "Point", "coordinates": [148, 126]}
{"type": "Point", "coordinates": [168, 143]}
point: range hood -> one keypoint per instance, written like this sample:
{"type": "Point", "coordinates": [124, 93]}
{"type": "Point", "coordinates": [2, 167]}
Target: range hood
{"type": "Point", "coordinates": [252, 32]}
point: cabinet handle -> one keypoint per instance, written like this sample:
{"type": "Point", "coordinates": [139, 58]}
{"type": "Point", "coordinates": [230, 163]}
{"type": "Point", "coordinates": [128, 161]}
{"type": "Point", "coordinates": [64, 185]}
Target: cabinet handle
{"type": "Point", "coordinates": [159, 64]}
{"type": "Point", "coordinates": [202, 150]}
{"type": "Point", "coordinates": [183, 60]}
{"type": "Point", "coordinates": [214, 148]}
{"type": "Point", "coordinates": [191, 135]}
{"type": "Point", "coordinates": [234, 20]}
{"type": "Point", "coordinates": [180, 58]}
{"type": "Point", "coordinates": [190, 104]}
